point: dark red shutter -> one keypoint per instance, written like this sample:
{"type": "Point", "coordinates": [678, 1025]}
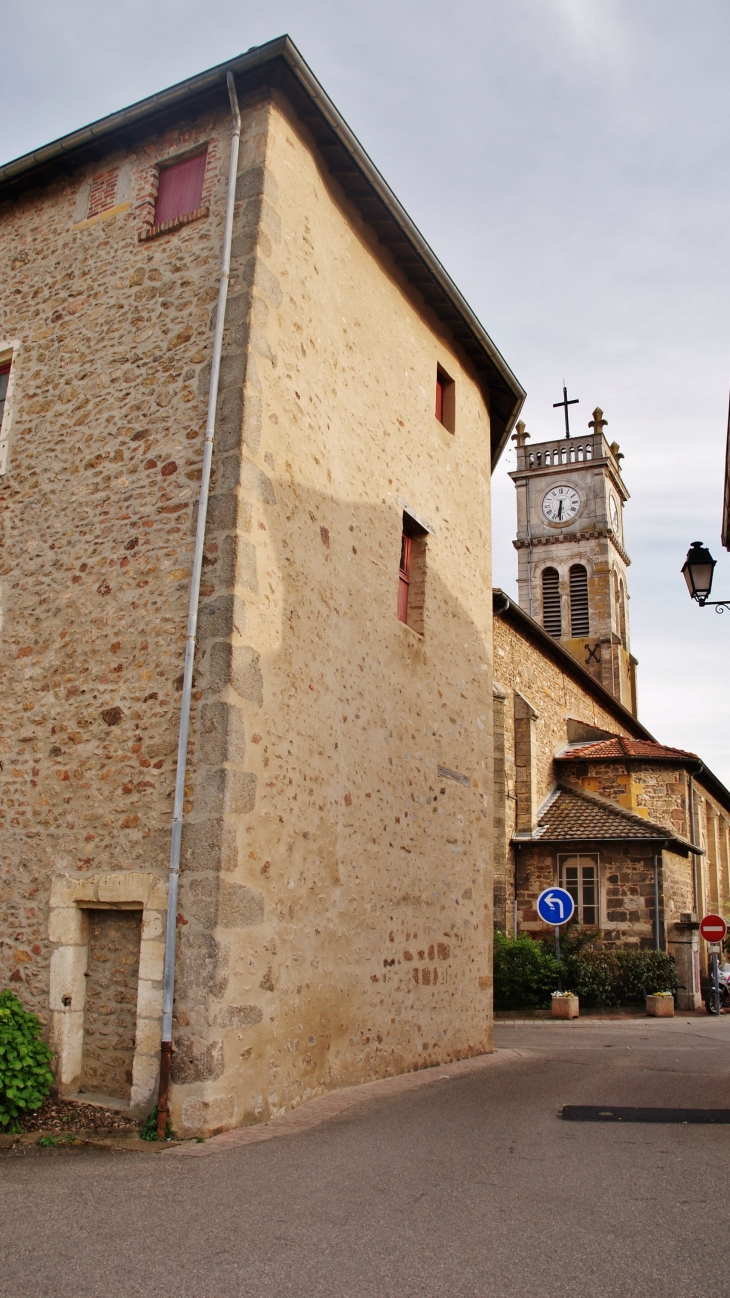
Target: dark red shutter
{"type": "Point", "coordinates": [439, 398]}
{"type": "Point", "coordinates": [180, 190]}
{"type": "Point", "coordinates": [404, 577]}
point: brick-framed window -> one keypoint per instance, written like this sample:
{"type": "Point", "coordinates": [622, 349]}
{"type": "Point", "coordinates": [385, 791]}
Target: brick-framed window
{"type": "Point", "coordinates": [445, 399]}
{"type": "Point", "coordinates": [179, 193]}
{"type": "Point", "coordinates": [412, 574]}
{"type": "Point", "coordinates": [180, 190]}
{"type": "Point", "coordinates": [578, 874]}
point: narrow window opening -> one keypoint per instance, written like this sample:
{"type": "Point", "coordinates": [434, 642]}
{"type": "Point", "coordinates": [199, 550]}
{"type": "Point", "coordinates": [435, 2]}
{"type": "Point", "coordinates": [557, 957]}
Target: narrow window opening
{"type": "Point", "coordinates": [4, 380]}
{"type": "Point", "coordinates": [579, 876]}
{"type": "Point", "coordinates": [622, 612]}
{"type": "Point", "coordinates": [579, 615]}
{"type": "Point", "coordinates": [412, 575]}
{"type": "Point", "coordinates": [445, 400]}
{"type": "Point", "coordinates": [180, 190]}
{"type": "Point", "coordinates": [551, 615]}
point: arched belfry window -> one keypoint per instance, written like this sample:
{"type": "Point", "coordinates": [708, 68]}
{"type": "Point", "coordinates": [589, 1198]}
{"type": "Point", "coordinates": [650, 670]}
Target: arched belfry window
{"type": "Point", "coordinates": [579, 620]}
{"type": "Point", "coordinates": [551, 618]}
{"type": "Point", "coordinates": [622, 611]}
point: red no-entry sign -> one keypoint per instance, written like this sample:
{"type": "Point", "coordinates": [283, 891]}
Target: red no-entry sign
{"type": "Point", "coordinates": [713, 928]}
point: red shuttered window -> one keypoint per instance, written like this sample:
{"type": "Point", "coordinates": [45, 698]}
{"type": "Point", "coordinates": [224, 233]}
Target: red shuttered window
{"type": "Point", "coordinates": [440, 398]}
{"type": "Point", "coordinates": [404, 577]}
{"type": "Point", "coordinates": [445, 400]}
{"type": "Point", "coordinates": [180, 189]}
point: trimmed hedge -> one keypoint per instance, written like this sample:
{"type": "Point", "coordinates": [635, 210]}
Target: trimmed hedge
{"type": "Point", "coordinates": [526, 972]}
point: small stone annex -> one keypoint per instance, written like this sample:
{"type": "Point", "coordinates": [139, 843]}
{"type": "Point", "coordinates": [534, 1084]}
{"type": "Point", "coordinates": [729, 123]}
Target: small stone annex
{"type": "Point", "coordinates": [334, 920]}
{"type": "Point", "coordinates": [585, 797]}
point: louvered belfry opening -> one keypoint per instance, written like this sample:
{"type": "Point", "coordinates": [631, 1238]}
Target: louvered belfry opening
{"type": "Point", "coordinates": [551, 618]}
{"type": "Point", "coordinates": [579, 621]}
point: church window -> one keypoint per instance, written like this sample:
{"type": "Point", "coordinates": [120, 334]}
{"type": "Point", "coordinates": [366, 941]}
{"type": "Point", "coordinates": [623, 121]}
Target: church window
{"type": "Point", "coordinates": [551, 615]}
{"type": "Point", "coordinates": [180, 190]}
{"type": "Point", "coordinates": [412, 575]}
{"type": "Point", "coordinates": [622, 611]}
{"type": "Point", "coordinates": [579, 620]}
{"type": "Point", "coordinates": [578, 874]}
{"type": "Point", "coordinates": [445, 400]}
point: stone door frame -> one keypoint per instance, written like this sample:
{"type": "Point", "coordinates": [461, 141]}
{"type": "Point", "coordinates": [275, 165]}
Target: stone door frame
{"type": "Point", "coordinates": [68, 930]}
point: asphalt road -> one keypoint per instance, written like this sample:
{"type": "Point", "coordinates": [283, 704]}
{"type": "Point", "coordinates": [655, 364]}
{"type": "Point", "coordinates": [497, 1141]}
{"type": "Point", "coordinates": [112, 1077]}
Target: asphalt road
{"type": "Point", "coordinates": [468, 1188]}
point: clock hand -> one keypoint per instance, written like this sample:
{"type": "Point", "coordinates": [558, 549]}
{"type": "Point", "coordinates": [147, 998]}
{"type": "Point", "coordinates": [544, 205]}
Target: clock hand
{"type": "Point", "coordinates": [560, 510]}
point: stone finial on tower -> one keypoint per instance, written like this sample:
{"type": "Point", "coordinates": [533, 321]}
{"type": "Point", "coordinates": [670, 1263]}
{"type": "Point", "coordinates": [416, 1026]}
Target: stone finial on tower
{"type": "Point", "coordinates": [617, 454]}
{"type": "Point", "coordinates": [521, 434]}
{"type": "Point", "coordinates": [598, 423]}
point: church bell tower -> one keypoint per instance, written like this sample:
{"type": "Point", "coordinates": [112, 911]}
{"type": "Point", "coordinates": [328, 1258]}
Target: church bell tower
{"type": "Point", "coordinates": [570, 543]}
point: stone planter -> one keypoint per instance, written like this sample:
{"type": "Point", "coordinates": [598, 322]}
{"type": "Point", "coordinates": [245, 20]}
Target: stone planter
{"type": "Point", "coordinates": [660, 1007]}
{"type": "Point", "coordinates": [565, 1007]}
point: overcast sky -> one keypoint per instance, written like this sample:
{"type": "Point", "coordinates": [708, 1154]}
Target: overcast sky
{"type": "Point", "coordinates": [568, 161]}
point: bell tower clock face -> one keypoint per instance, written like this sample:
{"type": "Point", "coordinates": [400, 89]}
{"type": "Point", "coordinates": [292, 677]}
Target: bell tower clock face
{"type": "Point", "coordinates": [614, 516]}
{"type": "Point", "coordinates": [561, 504]}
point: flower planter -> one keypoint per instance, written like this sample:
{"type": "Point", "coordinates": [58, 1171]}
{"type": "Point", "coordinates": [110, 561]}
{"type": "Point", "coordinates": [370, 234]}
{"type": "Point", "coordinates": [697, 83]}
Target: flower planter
{"type": "Point", "coordinates": [565, 1007]}
{"type": "Point", "coordinates": [660, 1007]}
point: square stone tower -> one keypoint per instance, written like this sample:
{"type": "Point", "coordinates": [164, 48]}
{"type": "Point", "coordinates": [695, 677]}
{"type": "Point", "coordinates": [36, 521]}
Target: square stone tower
{"type": "Point", "coordinates": [572, 559]}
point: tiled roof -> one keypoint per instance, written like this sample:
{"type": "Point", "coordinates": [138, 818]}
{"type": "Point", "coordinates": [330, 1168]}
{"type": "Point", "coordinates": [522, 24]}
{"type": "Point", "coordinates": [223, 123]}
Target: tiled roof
{"type": "Point", "coordinates": [620, 747]}
{"type": "Point", "coordinates": [570, 815]}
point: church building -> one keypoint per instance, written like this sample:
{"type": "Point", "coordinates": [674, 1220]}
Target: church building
{"type": "Point", "coordinates": [585, 797]}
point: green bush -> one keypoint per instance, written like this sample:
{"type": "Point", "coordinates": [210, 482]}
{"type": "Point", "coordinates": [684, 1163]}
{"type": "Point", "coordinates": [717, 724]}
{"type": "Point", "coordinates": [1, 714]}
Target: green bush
{"type": "Point", "coordinates": [25, 1078]}
{"type": "Point", "coordinates": [525, 973]}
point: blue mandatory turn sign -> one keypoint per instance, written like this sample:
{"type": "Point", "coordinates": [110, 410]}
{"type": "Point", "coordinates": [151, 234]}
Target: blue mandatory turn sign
{"type": "Point", "coordinates": [555, 906]}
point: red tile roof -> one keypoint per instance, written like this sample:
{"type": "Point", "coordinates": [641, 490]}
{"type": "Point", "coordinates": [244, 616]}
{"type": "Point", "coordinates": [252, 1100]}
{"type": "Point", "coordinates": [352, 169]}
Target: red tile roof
{"type": "Point", "coordinates": [620, 748]}
{"type": "Point", "coordinates": [571, 815]}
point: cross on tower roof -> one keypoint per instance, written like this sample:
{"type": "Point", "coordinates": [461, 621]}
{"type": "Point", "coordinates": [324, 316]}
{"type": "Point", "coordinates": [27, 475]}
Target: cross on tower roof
{"type": "Point", "coordinates": [565, 403]}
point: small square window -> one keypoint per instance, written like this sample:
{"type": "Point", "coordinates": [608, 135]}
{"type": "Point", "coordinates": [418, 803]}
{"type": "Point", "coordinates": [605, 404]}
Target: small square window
{"type": "Point", "coordinates": [180, 190]}
{"type": "Point", "coordinates": [445, 400]}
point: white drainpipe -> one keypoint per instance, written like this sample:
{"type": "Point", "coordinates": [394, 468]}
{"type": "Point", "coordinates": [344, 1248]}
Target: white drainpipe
{"type": "Point", "coordinates": [182, 746]}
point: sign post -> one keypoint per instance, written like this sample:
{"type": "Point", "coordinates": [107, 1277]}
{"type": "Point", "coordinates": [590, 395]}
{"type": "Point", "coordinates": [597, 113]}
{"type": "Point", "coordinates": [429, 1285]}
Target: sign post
{"type": "Point", "coordinates": [556, 906]}
{"type": "Point", "coordinates": [714, 929]}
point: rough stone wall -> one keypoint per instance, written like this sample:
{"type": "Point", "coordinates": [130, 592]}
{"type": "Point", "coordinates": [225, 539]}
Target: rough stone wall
{"type": "Point", "coordinates": [110, 379]}
{"type": "Point", "coordinates": [340, 925]}
{"type": "Point", "coordinates": [626, 887]}
{"type": "Point", "coordinates": [110, 1018]}
{"type": "Point", "coordinates": [660, 793]}
{"type": "Point", "coordinates": [335, 907]}
{"type": "Point", "coordinates": [522, 670]}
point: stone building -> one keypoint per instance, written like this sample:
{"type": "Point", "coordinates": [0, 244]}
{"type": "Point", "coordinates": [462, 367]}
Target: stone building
{"type": "Point", "coordinates": [584, 796]}
{"type": "Point", "coordinates": [335, 909]}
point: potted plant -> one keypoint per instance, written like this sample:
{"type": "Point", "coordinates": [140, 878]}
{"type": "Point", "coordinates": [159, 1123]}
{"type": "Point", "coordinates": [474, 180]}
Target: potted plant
{"type": "Point", "coordinates": [660, 1005]}
{"type": "Point", "coordinates": [565, 1005]}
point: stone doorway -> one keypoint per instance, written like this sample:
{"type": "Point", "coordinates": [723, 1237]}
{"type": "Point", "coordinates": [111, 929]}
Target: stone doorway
{"type": "Point", "coordinates": [110, 1011]}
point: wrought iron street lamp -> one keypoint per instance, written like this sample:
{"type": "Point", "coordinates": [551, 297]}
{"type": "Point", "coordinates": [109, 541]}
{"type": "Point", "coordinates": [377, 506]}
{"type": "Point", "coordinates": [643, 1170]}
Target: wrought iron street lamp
{"type": "Point", "coordinates": [698, 570]}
